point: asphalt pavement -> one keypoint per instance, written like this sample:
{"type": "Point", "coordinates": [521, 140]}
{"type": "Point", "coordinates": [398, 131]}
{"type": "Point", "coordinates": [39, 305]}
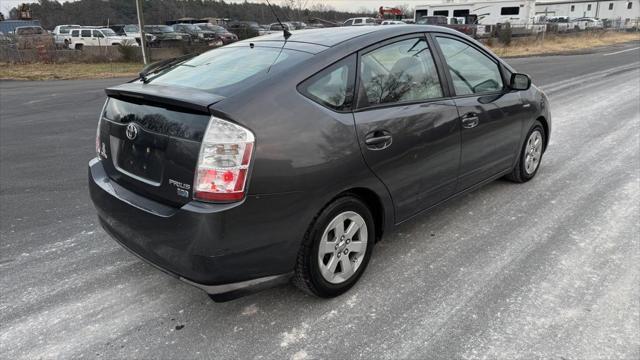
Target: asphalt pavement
{"type": "Point", "coordinates": [547, 269]}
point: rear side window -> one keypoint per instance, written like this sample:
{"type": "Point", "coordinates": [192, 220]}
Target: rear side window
{"type": "Point", "coordinates": [441, 13]}
{"type": "Point", "coordinates": [333, 86]}
{"type": "Point", "coordinates": [472, 72]}
{"type": "Point", "coordinates": [399, 72]}
{"type": "Point", "coordinates": [510, 10]}
{"type": "Point", "coordinates": [225, 70]}
{"type": "Point", "coordinates": [85, 33]}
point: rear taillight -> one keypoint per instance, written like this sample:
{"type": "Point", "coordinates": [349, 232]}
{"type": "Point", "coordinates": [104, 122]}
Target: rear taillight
{"type": "Point", "coordinates": [99, 151]}
{"type": "Point", "coordinates": [225, 154]}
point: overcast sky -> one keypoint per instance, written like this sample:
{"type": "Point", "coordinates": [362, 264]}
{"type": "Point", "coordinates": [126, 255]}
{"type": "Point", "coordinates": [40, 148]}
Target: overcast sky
{"type": "Point", "coordinates": [351, 5]}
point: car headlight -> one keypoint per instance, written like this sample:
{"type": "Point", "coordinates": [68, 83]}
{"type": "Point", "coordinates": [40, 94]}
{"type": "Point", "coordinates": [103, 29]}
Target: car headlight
{"type": "Point", "coordinates": [200, 35]}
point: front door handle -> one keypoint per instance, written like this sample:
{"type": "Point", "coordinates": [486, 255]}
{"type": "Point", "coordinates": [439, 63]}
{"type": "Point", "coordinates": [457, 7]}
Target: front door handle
{"type": "Point", "coordinates": [378, 140]}
{"type": "Point", "coordinates": [470, 120]}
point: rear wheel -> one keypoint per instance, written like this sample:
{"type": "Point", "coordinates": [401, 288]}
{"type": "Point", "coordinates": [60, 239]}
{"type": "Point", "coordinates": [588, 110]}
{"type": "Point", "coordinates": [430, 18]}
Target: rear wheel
{"type": "Point", "coordinates": [78, 46]}
{"type": "Point", "coordinates": [336, 248]}
{"type": "Point", "coordinates": [530, 155]}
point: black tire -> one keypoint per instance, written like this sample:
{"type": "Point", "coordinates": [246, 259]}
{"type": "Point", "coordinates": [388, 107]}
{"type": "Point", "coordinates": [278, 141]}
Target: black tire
{"type": "Point", "coordinates": [78, 46]}
{"type": "Point", "coordinates": [308, 276]}
{"type": "Point", "coordinates": [519, 173]}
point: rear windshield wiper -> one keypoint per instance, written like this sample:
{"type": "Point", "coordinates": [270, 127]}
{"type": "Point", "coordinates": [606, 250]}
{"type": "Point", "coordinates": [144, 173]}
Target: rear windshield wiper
{"type": "Point", "coordinates": [162, 65]}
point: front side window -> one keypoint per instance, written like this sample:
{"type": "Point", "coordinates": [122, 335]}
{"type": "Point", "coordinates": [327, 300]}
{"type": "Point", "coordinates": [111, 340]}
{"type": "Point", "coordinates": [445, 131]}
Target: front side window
{"type": "Point", "coordinates": [348, 22]}
{"type": "Point", "coordinates": [589, 7]}
{"type": "Point", "coordinates": [441, 13]}
{"type": "Point", "coordinates": [629, 5]}
{"type": "Point", "coordinates": [472, 72]}
{"type": "Point", "coordinates": [573, 7]}
{"type": "Point", "coordinates": [510, 10]}
{"type": "Point", "coordinates": [75, 33]}
{"type": "Point", "coordinates": [97, 34]}
{"type": "Point", "coordinates": [358, 21]}
{"type": "Point", "coordinates": [333, 86]}
{"type": "Point", "coordinates": [610, 6]}
{"type": "Point", "coordinates": [399, 72]}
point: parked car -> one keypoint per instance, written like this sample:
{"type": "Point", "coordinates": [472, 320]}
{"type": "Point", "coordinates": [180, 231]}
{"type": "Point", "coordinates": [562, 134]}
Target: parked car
{"type": "Point", "coordinates": [361, 21]}
{"type": "Point", "coordinates": [30, 37]}
{"type": "Point", "coordinates": [198, 34]}
{"type": "Point", "coordinates": [245, 29]}
{"type": "Point", "coordinates": [456, 23]}
{"type": "Point", "coordinates": [299, 25]}
{"type": "Point", "coordinates": [261, 160]}
{"type": "Point", "coordinates": [132, 31]}
{"type": "Point", "coordinates": [585, 23]}
{"type": "Point", "coordinates": [88, 36]}
{"type": "Point", "coordinates": [62, 34]}
{"type": "Point", "coordinates": [165, 36]}
{"type": "Point", "coordinates": [433, 20]}
{"type": "Point", "coordinates": [221, 33]}
{"type": "Point", "coordinates": [277, 27]}
{"type": "Point", "coordinates": [558, 24]}
{"type": "Point", "coordinates": [4, 39]}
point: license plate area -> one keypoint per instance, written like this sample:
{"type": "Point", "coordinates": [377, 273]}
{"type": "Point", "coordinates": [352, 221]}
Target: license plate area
{"type": "Point", "coordinates": [141, 158]}
{"type": "Point", "coordinates": [140, 162]}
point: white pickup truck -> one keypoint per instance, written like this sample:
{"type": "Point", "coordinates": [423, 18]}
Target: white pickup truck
{"type": "Point", "coordinates": [97, 37]}
{"type": "Point", "coordinates": [61, 34]}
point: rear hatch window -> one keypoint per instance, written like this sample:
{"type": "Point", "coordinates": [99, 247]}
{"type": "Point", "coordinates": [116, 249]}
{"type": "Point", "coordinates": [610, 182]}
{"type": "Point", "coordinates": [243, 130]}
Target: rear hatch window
{"type": "Point", "coordinates": [227, 70]}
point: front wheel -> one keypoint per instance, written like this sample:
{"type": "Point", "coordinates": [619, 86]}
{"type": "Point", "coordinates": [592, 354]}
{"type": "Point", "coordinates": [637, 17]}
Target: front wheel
{"type": "Point", "coordinates": [336, 248]}
{"type": "Point", "coordinates": [530, 156]}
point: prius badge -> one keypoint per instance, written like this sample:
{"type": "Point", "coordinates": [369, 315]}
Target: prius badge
{"type": "Point", "coordinates": [132, 131]}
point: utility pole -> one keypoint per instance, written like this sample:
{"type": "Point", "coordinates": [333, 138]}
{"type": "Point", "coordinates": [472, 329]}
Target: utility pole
{"type": "Point", "coordinates": [143, 39]}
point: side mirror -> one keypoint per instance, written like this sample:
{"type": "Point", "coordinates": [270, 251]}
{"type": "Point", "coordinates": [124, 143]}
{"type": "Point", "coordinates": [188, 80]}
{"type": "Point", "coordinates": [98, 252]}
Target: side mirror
{"type": "Point", "coordinates": [520, 81]}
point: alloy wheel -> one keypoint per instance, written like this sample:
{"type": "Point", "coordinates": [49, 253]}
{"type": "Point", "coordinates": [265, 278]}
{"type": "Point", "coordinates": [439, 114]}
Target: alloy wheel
{"type": "Point", "coordinates": [533, 152]}
{"type": "Point", "coordinates": [342, 247]}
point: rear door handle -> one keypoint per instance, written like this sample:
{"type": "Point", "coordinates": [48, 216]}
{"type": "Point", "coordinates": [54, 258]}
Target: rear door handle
{"type": "Point", "coordinates": [378, 139]}
{"type": "Point", "coordinates": [470, 120]}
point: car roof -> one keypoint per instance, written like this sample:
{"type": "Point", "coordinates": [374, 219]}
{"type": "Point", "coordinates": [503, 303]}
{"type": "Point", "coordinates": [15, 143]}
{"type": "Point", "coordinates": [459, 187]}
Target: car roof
{"type": "Point", "coordinates": [329, 37]}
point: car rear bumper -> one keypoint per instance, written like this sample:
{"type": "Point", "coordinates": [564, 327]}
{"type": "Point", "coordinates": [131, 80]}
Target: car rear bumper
{"type": "Point", "coordinates": [221, 248]}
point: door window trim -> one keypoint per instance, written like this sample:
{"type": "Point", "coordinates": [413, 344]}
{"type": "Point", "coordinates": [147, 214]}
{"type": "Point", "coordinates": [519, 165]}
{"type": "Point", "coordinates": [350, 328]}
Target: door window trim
{"type": "Point", "coordinates": [434, 35]}
{"type": "Point", "coordinates": [359, 88]}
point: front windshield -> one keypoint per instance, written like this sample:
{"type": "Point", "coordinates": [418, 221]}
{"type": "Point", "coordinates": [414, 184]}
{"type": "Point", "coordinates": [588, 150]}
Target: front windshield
{"type": "Point", "coordinates": [159, 28]}
{"type": "Point", "coordinates": [211, 27]}
{"type": "Point", "coordinates": [108, 32]}
{"type": "Point", "coordinates": [131, 28]}
{"type": "Point", "coordinates": [228, 69]}
{"type": "Point", "coordinates": [192, 27]}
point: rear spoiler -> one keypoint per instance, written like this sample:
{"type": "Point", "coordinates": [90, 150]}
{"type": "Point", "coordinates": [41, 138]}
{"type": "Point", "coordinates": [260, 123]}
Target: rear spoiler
{"type": "Point", "coordinates": [180, 97]}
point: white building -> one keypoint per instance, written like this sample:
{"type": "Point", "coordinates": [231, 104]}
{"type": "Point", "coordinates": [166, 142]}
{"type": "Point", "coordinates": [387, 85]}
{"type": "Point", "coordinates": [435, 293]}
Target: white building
{"type": "Point", "coordinates": [602, 9]}
{"type": "Point", "coordinates": [489, 12]}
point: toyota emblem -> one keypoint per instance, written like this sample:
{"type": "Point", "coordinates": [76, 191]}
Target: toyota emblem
{"type": "Point", "coordinates": [132, 131]}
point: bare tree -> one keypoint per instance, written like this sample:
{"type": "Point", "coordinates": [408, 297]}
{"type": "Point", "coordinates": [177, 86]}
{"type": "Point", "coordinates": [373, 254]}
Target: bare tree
{"type": "Point", "coordinates": [297, 7]}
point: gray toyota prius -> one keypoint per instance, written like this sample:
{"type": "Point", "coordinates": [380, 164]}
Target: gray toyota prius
{"type": "Point", "coordinates": [288, 156]}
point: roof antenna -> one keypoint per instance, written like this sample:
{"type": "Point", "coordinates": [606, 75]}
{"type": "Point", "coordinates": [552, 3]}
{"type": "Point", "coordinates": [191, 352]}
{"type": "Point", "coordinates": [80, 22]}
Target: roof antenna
{"type": "Point", "coordinates": [287, 34]}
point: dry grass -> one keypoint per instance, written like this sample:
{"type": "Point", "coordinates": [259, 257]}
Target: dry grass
{"type": "Point", "coordinates": [40, 71]}
{"type": "Point", "coordinates": [559, 44]}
